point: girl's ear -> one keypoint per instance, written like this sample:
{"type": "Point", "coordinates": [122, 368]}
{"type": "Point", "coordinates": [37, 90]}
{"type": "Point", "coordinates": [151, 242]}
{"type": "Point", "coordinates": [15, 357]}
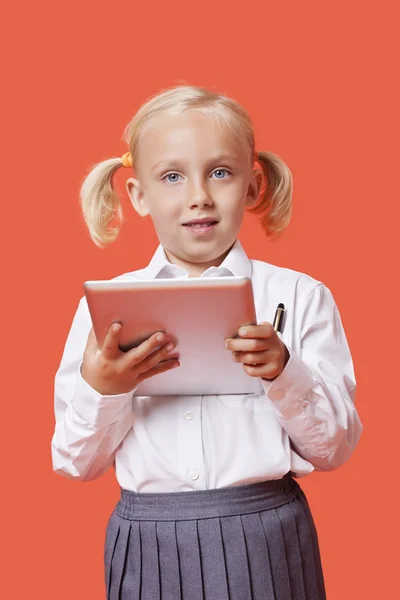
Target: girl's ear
{"type": "Point", "coordinates": [137, 197]}
{"type": "Point", "coordinates": [254, 189]}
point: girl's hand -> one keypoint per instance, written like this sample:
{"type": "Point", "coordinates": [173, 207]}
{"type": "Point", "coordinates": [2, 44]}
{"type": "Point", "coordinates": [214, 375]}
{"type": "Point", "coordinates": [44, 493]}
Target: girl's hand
{"type": "Point", "coordinates": [110, 371]}
{"type": "Point", "coordinates": [260, 350]}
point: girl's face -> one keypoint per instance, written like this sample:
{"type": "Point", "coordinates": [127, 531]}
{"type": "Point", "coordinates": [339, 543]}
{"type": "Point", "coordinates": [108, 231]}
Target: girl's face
{"type": "Point", "coordinates": [190, 169]}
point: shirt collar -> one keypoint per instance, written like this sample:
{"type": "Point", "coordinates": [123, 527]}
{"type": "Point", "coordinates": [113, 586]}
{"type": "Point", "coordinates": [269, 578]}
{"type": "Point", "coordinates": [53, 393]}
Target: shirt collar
{"type": "Point", "coordinates": [236, 264]}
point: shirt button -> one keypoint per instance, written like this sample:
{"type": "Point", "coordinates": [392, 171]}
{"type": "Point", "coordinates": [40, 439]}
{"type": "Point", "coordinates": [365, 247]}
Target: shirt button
{"type": "Point", "coordinates": [278, 394]}
{"type": "Point", "coordinates": [193, 475]}
{"type": "Point", "coordinates": [188, 415]}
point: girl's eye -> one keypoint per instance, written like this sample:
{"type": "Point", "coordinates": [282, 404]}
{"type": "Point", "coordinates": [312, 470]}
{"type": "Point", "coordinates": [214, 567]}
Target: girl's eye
{"type": "Point", "coordinates": [221, 173]}
{"type": "Point", "coordinates": [172, 177]}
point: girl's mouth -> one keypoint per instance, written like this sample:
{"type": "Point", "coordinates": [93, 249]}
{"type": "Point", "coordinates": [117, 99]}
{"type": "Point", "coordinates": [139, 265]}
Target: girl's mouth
{"type": "Point", "coordinates": [201, 227]}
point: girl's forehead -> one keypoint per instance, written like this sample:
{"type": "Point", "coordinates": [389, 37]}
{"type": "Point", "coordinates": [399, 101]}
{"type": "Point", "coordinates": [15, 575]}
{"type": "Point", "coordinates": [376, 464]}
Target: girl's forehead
{"type": "Point", "coordinates": [188, 130]}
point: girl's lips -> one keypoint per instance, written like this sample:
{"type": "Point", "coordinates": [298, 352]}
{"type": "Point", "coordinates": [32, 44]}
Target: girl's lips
{"type": "Point", "coordinates": [201, 220]}
{"type": "Point", "coordinates": [201, 228]}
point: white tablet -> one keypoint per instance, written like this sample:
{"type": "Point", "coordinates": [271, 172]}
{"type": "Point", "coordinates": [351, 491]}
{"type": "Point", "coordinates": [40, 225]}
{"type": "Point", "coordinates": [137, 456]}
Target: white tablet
{"type": "Point", "coordinates": [200, 313]}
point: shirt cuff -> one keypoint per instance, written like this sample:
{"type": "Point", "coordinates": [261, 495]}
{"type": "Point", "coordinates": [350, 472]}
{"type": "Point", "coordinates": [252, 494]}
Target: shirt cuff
{"type": "Point", "coordinates": [291, 386]}
{"type": "Point", "coordinates": [96, 409]}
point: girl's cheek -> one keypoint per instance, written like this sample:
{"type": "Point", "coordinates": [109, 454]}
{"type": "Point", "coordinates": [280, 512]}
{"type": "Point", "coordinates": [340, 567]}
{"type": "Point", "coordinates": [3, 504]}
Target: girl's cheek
{"type": "Point", "coordinates": [169, 212]}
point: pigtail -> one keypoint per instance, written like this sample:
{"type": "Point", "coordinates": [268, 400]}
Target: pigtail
{"type": "Point", "coordinates": [100, 203]}
{"type": "Point", "coordinates": [275, 206]}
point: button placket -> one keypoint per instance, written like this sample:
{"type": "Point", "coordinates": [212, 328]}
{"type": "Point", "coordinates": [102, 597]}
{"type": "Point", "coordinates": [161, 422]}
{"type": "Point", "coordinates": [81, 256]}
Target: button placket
{"type": "Point", "coordinates": [190, 442]}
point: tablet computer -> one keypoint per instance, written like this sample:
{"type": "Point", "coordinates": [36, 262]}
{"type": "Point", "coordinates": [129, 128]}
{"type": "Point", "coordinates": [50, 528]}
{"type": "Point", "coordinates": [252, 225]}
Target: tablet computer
{"type": "Point", "coordinates": [200, 313]}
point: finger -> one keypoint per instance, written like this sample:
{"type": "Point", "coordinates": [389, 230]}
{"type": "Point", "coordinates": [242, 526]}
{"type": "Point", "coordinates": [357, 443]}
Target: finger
{"type": "Point", "coordinates": [162, 367]}
{"type": "Point", "coordinates": [264, 330]}
{"type": "Point", "coordinates": [265, 371]}
{"type": "Point", "coordinates": [137, 355]}
{"type": "Point", "coordinates": [162, 354]}
{"type": "Point", "coordinates": [170, 355]}
{"type": "Point", "coordinates": [110, 347]}
{"type": "Point", "coordinates": [250, 345]}
{"type": "Point", "coordinates": [252, 358]}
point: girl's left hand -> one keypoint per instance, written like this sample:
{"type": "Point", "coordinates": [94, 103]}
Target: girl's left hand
{"type": "Point", "coordinates": [260, 349]}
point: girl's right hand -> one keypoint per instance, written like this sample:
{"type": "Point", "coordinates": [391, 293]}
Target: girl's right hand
{"type": "Point", "coordinates": [110, 371]}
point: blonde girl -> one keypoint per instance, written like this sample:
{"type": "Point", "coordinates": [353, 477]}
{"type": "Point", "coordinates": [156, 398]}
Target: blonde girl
{"type": "Point", "coordinates": [210, 507]}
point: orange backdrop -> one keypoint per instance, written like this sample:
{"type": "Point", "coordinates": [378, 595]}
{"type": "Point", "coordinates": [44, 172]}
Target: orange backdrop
{"type": "Point", "coordinates": [319, 81]}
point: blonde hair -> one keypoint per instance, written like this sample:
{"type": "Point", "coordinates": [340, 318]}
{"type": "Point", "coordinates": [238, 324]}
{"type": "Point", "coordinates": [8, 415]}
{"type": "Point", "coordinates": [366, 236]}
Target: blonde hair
{"type": "Point", "coordinates": [101, 205]}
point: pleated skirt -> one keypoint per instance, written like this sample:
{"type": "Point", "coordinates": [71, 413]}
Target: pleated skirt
{"type": "Point", "coordinates": [251, 542]}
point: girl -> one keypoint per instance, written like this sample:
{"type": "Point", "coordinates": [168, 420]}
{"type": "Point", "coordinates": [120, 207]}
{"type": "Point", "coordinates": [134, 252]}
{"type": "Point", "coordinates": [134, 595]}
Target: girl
{"type": "Point", "coordinates": [209, 507]}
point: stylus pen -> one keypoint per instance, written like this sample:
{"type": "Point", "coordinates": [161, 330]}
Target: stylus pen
{"type": "Point", "coordinates": [278, 319]}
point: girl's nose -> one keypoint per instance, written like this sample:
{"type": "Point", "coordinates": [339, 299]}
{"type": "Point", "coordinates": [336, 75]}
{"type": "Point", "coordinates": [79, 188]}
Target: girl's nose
{"type": "Point", "coordinates": [200, 197]}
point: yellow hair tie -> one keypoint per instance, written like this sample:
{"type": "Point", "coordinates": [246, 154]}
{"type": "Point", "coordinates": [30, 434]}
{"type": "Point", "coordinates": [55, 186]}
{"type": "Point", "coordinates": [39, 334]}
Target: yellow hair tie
{"type": "Point", "coordinates": [127, 159]}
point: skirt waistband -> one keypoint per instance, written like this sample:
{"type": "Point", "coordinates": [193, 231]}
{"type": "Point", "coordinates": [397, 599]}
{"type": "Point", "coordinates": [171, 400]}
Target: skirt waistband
{"type": "Point", "coordinates": [203, 504]}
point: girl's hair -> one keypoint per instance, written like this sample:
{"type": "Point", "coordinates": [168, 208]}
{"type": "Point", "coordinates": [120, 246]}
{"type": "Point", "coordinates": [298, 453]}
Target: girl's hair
{"type": "Point", "coordinates": [101, 205]}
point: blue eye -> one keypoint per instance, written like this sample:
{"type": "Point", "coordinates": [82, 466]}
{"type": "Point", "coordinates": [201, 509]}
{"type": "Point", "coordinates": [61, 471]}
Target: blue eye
{"type": "Point", "coordinates": [172, 177]}
{"type": "Point", "coordinates": [220, 173]}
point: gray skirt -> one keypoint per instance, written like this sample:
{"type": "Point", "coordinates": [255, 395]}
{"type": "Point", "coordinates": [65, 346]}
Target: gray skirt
{"type": "Point", "coordinates": [251, 542]}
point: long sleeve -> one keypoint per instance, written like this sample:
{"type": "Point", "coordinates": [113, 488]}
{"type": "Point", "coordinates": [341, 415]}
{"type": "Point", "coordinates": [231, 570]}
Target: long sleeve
{"type": "Point", "coordinates": [89, 427]}
{"type": "Point", "coordinates": [314, 395]}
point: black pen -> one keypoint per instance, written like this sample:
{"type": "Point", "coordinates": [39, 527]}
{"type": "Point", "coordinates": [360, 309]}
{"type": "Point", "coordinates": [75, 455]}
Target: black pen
{"type": "Point", "coordinates": [277, 325]}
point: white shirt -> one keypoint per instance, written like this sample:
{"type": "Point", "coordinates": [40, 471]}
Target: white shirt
{"type": "Point", "coordinates": [304, 419]}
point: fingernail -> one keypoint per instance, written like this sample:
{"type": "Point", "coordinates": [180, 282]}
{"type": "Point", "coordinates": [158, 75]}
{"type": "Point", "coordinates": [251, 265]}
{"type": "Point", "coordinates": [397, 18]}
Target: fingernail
{"type": "Point", "coordinates": [160, 337]}
{"type": "Point", "coordinates": [242, 331]}
{"type": "Point", "coordinates": [170, 346]}
{"type": "Point", "coordinates": [226, 344]}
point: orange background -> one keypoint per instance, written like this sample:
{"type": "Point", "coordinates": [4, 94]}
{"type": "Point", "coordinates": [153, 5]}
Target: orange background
{"type": "Point", "coordinates": [319, 80]}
